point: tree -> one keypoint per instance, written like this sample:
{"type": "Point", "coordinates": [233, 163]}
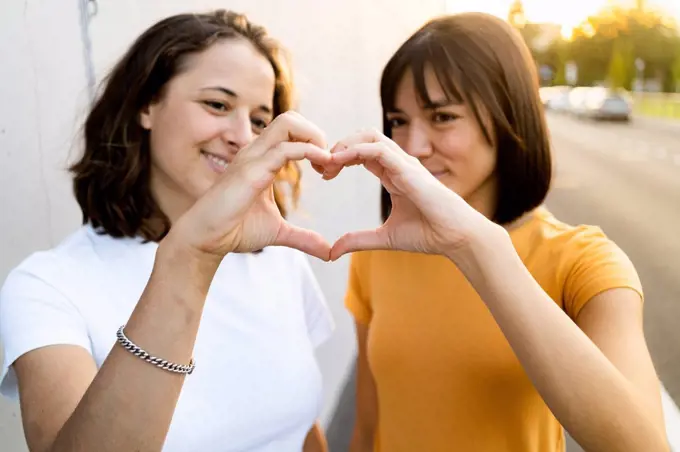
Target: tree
{"type": "Point", "coordinates": [517, 18]}
{"type": "Point", "coordinates": [676, 73]}
{"type": "Point", "coordinates": [630, 32]}
{"type": "Point", "coordinates": [618, 72]}
{"type": "Point", "coordinates": [516, 15]}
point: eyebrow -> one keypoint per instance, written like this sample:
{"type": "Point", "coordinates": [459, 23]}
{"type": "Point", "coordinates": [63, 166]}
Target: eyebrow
{"type": "Point", "coordinates": [230, 93]}
{"type": "Point", "coordinates": [433, 105]}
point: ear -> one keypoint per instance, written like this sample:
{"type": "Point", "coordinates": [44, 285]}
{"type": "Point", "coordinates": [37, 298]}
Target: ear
{"type": "Point", "coordinates": [146, 117]}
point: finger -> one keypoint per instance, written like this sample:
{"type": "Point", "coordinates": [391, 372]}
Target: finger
{"type": "Point", "coordinates": [318, 168]}
{"type": "Point", "coordinates": [363, 136]}
{"type": "Point", "coordinates": [258, 174]}
{"type": "Point", "coordinates": [333, 169]}
{"type": "Point", "coordinates": [341, 161]}
{"type": "Point", "coordinates": [307, 241]}
{"type": "Point", "coordinates": [379, 152]}
{"type": "Point", "coordinates": [285, 152]}
{"type": "Point", "coordinates": [376, 239]}
{"type": "Point", "coordinates": [287, 127]}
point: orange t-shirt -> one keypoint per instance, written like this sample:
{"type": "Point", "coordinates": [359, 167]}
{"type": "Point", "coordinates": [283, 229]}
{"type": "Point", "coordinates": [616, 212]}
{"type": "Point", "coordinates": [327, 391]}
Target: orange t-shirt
{"type": "Point", "coordinates": [446, 377]}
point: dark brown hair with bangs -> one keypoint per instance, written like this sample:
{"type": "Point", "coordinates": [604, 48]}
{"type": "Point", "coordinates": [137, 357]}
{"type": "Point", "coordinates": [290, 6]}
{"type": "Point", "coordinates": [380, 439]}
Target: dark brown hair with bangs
{"type": "Point", "coordinates": [111, 180]}
{"type": "Point", "coordinates": [483, 62]}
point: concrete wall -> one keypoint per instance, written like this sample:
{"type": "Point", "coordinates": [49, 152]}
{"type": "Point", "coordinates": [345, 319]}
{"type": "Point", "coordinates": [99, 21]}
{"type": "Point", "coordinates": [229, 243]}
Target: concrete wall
{"type": "Point", "coordinates": [338, 47]}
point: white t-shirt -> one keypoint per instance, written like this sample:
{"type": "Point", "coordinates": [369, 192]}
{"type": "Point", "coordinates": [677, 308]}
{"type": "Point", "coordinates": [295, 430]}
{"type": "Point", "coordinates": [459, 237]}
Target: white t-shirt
{"type": "Point", "coordinates": [256, 386]}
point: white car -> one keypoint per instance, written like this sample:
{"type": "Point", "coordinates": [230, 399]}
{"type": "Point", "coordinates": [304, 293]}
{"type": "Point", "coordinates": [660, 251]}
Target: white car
{"type": "Point", "coordinates": [608, 104]}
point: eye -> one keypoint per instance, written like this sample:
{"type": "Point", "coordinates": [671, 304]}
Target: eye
{"type": "Point", "coordinates": [394, 123]}
{"type": "Point", "coordinates": [259, 124]}
{"type": "Point", "coordinates": [215, 105]}
{"type": "Point", "coordinates": [441, 117]}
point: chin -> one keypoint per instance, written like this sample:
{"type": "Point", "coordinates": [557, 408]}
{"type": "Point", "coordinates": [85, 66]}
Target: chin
{"type": "Point", "coordinates": [450, 182]}
{"type": "Point", "coordinates": [200, 188]}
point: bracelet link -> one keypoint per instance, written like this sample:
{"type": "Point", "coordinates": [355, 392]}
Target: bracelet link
{"type": "Point", "coordinates": [158, 362]}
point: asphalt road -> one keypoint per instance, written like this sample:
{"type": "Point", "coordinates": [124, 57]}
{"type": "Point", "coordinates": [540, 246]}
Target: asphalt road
{"type": "Point", "coordinates": [626, 179]}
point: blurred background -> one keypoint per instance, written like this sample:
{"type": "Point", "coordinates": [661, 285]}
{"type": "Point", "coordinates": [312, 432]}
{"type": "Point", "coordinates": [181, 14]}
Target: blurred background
{"type": "Point", "coordinates": [610, 76]}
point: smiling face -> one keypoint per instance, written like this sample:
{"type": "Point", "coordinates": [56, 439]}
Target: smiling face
{"type": "Point", "coordinates": [217, 105]}
{"type": "Point", "coordinates": [461, 94]}
{"type": "Point", "coordinates": [446, 137]}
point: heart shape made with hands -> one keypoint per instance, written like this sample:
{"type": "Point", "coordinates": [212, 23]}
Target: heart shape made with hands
{"type": "Point", "coordinates": [239, 213]}
{"type": "Point", "coordinates": [417, 222]}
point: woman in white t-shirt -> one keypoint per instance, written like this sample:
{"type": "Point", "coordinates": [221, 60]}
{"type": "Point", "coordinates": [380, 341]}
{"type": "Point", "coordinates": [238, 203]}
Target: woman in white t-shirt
{"type": "Point", "coordinates": [183, 255]}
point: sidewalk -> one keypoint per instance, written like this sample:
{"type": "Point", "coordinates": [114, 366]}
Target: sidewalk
{"type": "Point", "coordinates": [654, 123]}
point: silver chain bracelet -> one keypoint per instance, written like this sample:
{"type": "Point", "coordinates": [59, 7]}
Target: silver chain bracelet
{"type": "Point", "coordinates": [158, 362]}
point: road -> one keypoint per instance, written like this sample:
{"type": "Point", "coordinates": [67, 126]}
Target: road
{"type": "Point", "coordinates": [626, 179]}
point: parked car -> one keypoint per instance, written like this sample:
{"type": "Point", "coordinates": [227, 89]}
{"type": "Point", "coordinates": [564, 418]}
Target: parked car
{"type": "Point", "coordinates": [577, 100]}
{"type": "Point", "coordinates": [552, 94]}
{"type": "Point", "coordinates": [559, 102]}
{"type": "Point", "coordinates": [608, 104]}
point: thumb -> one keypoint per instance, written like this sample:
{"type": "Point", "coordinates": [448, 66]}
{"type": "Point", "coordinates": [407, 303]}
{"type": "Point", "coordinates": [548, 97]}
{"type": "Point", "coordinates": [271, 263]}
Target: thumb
{"type": "Point", "coordinates": [307, 241]}
{"type": "Point", "coordinates": [372, 239]}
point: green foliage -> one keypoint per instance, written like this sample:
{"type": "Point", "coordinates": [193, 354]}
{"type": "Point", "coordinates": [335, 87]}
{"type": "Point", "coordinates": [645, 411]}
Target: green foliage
{"type": "Point", "coordinates": [675, 74]}
{"type": "Point", "coordinates": [618, 72]}
{"type": "Point", "coordinates": [606, 45]}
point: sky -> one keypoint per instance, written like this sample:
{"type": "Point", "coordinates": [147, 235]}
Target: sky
{"type": "Point", "coordinates": [566, 13]}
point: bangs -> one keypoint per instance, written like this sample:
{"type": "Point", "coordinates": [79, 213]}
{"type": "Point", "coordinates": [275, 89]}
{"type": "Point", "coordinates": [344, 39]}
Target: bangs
{"type": "Point", "coordinates": [416, 55]}
{"type": "Point", "coordinates": [426, 50]}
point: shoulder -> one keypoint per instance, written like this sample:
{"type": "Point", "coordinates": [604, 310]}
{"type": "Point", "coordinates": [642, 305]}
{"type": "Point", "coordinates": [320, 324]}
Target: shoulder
{"type": "Point", "coordinates": [585, 261]}
{"type": "Point", "coordinates": [51, 265]}
{"type": "Point", "coordinates": [65, 269]}
{"type": "Point", "coordinates": [578, 241]}
{"type": "Point", "coordinates": [38, 307]}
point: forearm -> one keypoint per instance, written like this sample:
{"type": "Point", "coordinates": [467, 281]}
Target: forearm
{"type": "Point", "coordinates": [315, 440]}
{"type": "Point", "coordinates": [130, 403]}
{"type": "Point", "coordinates": [599, 407]}
{"type": "Point", "coordinates": [361, 441]}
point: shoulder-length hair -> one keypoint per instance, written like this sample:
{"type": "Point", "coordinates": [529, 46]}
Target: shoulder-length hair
{"type": "Point", "coordinates": [482, 61]}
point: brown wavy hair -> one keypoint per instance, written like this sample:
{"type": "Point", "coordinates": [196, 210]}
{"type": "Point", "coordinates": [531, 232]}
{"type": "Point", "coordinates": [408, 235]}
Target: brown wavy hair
{"type": "Point", "coordinates": [483, 62]}
{"type": "Point", "coordinates": [112, 179]}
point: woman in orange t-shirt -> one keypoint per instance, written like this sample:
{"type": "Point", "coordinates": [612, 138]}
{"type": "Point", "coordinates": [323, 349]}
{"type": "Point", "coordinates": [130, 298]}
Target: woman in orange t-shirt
{"type": "Point", "coordinates": [484, 323]}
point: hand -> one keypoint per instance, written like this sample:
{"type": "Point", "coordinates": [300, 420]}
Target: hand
{"type": "Point", "coordinates": [238, 214]}
{"type": "Point", "coordinates": [426, 217]}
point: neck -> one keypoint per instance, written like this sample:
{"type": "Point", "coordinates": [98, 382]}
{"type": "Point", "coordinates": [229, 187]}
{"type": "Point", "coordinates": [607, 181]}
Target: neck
{"type": "Point", "coordinates": [485, 200]}
{"type": "Point", "coordinates": [172, 201]}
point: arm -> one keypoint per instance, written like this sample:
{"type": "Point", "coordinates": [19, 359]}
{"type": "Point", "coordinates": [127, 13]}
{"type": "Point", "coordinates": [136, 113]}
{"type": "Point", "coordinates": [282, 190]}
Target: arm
{"type": "Point", "coordinates": [607, 398]}
{"type": "Point", "coordinates": [315, 440]}
{"type": "Point", "coordinates": [129, 403]}
{"type": "Point", "coordinates": [363, 436]}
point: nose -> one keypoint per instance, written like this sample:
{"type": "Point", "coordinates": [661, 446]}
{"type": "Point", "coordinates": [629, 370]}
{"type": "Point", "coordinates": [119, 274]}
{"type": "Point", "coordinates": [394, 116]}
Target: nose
{"type": "Point", "coordinates": [418, 142]}
{"type": "Point", "coordinates": [238, 130]}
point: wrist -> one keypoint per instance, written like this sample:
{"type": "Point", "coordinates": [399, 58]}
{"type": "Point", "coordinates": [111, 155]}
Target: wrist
{"type": "Point", "coordinates": [482, 248]}
{"type": "Point", "coordinates": [179, 259]}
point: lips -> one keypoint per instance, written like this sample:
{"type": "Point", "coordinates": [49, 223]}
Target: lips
{"type": "Point", "coordinates": [217, 163]}
{"type": "Point", "coordinates": [438, 173]}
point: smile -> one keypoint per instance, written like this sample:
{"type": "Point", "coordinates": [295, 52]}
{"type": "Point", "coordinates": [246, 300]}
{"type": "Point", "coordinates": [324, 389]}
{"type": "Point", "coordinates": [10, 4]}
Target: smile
{"type": "Point", "coordinates": [439, 174]}
{"type": "Point", "coordinates": [217, 163]}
